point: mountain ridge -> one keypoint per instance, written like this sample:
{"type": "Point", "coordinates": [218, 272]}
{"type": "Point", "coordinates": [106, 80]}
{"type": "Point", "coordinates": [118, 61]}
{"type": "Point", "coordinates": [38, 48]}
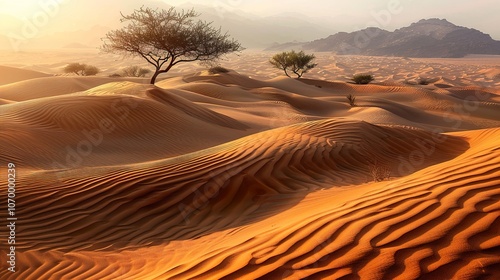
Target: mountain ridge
{"type": "Point", "coordinates": [426, 38]}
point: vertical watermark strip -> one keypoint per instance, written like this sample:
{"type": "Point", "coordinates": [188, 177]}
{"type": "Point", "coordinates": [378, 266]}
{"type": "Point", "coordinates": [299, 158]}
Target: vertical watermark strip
{"type": "Point", "coordinates": [11, 218]}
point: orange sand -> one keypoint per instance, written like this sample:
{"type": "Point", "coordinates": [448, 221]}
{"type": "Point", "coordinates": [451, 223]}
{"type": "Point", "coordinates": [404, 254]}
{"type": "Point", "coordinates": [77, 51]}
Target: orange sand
{"type": "Point", "coordinates": [225, 176]}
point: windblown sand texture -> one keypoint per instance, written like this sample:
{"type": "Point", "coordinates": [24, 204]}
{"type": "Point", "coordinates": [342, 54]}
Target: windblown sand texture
{"type": "Point", "coordinates": [251, 175]}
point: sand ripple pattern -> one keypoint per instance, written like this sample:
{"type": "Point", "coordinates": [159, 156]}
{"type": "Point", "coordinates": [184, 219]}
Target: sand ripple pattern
{"type": "Point", "coordinates": [112, 223]}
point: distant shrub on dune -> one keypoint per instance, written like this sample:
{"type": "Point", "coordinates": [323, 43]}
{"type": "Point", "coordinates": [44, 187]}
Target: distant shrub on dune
{"type": "Point", "coordinates": [135, 71]}
{"type": "Point", "coordinates": [217, 69]}
{"type": "Point", "coordinates": [81, 69]}
{"type": "Point", "coordinates": [362, 79]}
{"type": "Point", "coordinates": [90, 70]}
{"type": "Point", "coordinates": [423, 81]}
{"type": "Point", "coordinates": [115, 75]}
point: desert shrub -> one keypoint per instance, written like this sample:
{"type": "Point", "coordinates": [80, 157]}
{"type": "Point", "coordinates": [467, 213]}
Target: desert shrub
{"type": "Point", "coordinates": [297, 62]}
{"type": "Point", "coordinates": [352, 100]}
{"type": "Point", "coordinates": [135, 71]}
{"type": "Point", "coordinates": [81, 69]}
{"type": "Point", "coordinates": [115, 75]}
{"type": "Point", "coordinates": [423, 81]}
{"type": "Point", "coordinates": [379, 172]}
{"type": "Point", "coordinates": [217, 69]}
{"type": "Point", "coordinates": [362, 79]}
{"type": "Point", "coordinates": [76, 68]}
{"type": "Point", "coordinates": [143, 72]}
{"type": "Point", "coordinates": [90, 70]}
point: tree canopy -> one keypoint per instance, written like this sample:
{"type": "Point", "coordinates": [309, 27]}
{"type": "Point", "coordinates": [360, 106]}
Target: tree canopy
{"type": "Point", "coordinates": [165, 38]}
{"type": "Point", "coordinates": [297, 62]}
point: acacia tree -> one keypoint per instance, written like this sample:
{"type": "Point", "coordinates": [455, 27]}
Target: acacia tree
{"type": "Point", "coordinates": [297, 62]}
{"type": "Point", "coordinates": [281, 61]}
{"type": "Point", "coordinates": [165, 38]}
{"type": "Point", "coordinates": [75, 68]}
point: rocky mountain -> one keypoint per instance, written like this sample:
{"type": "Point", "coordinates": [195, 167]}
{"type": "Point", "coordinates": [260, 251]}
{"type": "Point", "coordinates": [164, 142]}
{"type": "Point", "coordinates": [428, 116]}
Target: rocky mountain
{"type": "Point", "coordinates": [426, 38]}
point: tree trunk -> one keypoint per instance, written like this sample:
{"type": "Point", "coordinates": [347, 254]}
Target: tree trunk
{"type": "Point", "coordinates": [286, 73]}
{"type": "Point", "coordinates": [153, 79]}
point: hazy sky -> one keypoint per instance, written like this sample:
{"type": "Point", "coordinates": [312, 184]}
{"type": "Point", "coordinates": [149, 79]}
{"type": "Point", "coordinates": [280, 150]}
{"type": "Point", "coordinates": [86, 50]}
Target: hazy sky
{"type": "Point", "coordinates": [70, 15]}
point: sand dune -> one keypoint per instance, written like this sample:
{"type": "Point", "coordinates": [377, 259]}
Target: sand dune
{"type": "Point", "coordinates": [86, 129]}
{"type": "Point", "coordinates": [52, 86]}
{"type": "Point", "coordinates": [397, 230]}
{"type": "Point", "coordinates": [117, 111]}
{"type": "Point", "coordinates": [13, 74]}
{"type": "Point", "coordinates": [251, 185]}
{"type": "Point", "coordinates": [223, 176]}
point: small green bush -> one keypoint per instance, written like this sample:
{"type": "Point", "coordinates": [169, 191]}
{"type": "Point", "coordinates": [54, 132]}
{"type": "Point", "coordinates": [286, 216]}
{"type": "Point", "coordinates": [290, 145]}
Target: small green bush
{"type": "Point", "coordinates": [217, 70]}
{"type": "Point", "coordinates": [362, 79]}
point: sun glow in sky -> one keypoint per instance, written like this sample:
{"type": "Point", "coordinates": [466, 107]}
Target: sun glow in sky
{"type": "Point", "coordinates": [16, 13]}
{"type": "Point", "coordinates": [18, 9]}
